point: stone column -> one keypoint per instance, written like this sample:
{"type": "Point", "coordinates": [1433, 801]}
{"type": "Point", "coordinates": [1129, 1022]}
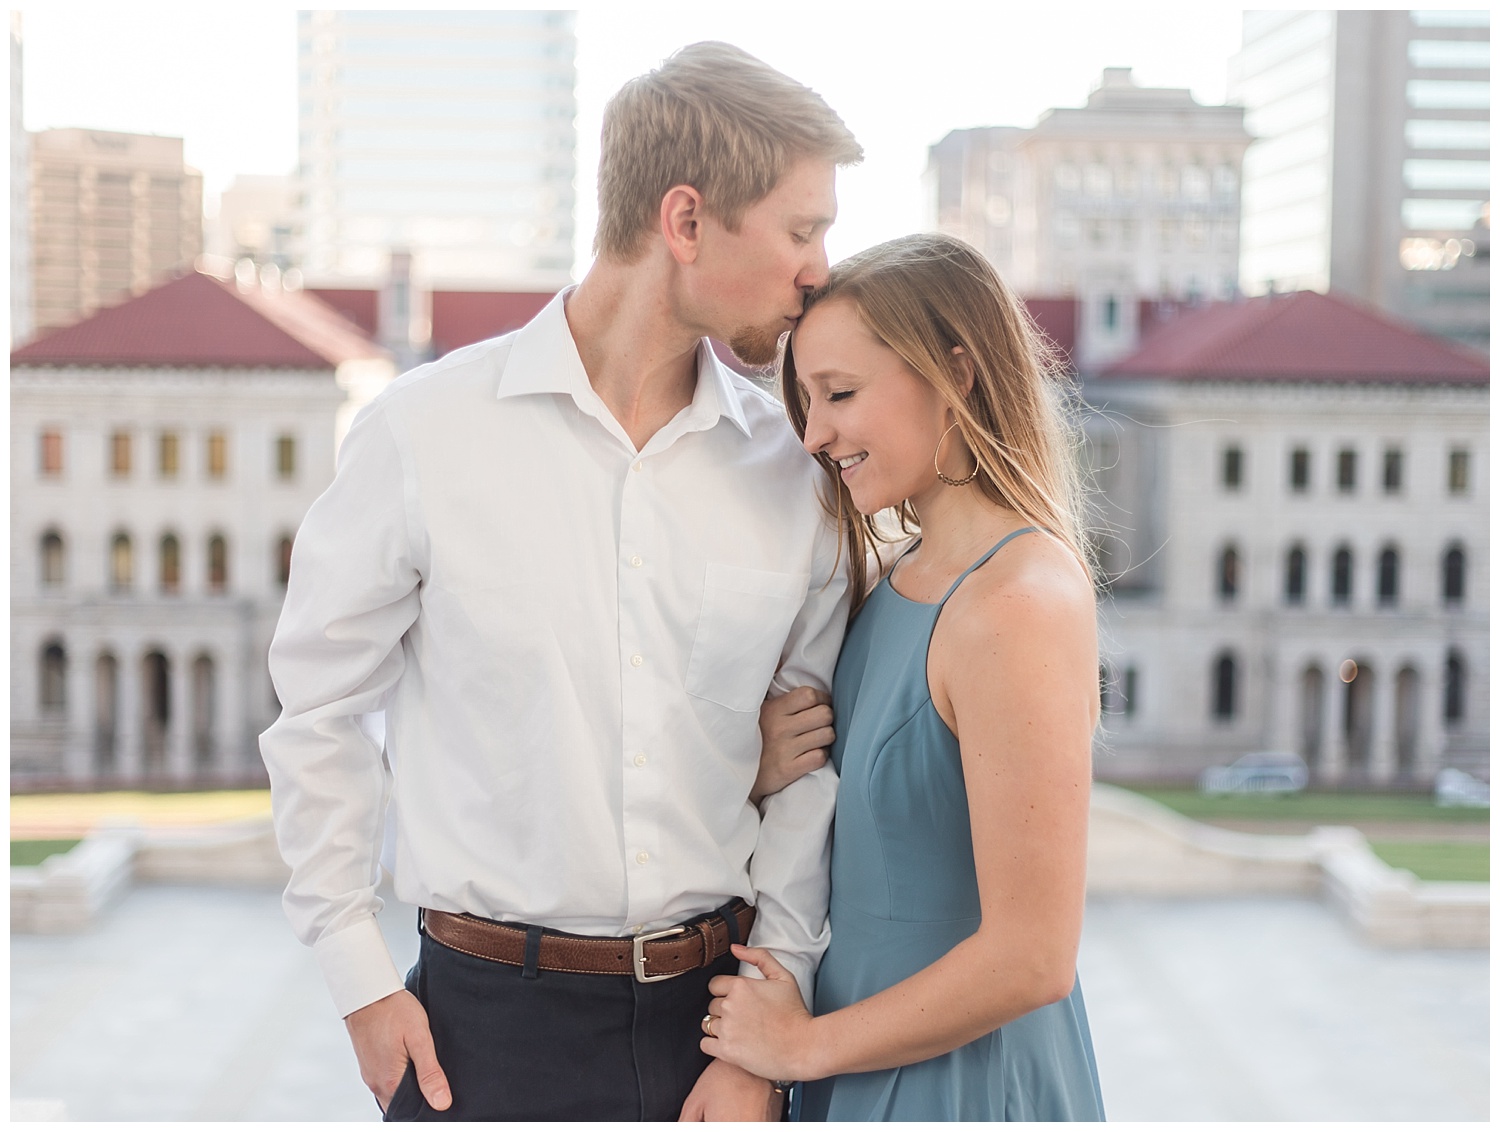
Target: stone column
{"type": "Point", "coordinates": [130, 735]}
{"type": "Point", "coordinates": [179, 718]}
{"type": "Point", "coordinates": [1383, 724]}
{"type": "Point", "coordinates": [1335, 754]}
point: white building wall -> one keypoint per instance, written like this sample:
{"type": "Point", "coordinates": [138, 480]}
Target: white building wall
{"type": "Point", "coordinates": [1171, 628]}
{"type": "Point", "coordinates": [252, 507]}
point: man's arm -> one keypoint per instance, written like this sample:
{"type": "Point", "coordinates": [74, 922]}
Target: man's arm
{"type": "Point", "coordinates": [790, 868]}
{"type": "Point", "coordinates": [352, 595]}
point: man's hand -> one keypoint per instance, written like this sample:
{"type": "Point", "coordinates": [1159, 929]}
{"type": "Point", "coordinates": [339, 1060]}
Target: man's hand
{"type": "Point", "coordinates": [726, 1092]}
{"type": "Point", "coordinates": [389, 1033]}
{"type": "Point", "coordinates": [796, 731]}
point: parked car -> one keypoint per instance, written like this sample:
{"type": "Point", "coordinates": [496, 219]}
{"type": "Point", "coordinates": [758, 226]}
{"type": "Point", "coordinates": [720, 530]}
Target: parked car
{"type": "Point", "coordinates": [1260, 772]}
{"type": "Point", "coordinates": [1453, 787]}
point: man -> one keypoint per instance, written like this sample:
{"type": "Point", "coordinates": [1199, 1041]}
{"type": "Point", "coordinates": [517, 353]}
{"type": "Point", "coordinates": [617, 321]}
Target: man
{"type": "Point", "coordinates": [567, 564]}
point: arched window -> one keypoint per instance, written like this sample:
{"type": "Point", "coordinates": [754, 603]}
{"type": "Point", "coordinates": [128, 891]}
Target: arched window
{"type": "Point", "coordinates": [1224, 679]}
{"type": "Point", "coordinates": [156, 700]}
{"type": "Point", "coordinates": [1388, 577]}
{"type": "Point", "coordinates": [218, 564]}
{"type": "Point", "coordinates": [1454, 680]}
{"type": "Point", "coordinates": [1343, 575]}
{"type": "Point", "coordinates": [1296, 575]}
{"type": "Point", "coordinates": [171, 564]}
{"type": "Point", "coordinates": [52, 559]}
{"type": "Point", "coordinates": [1229, 573]}
{"type": "Point", "coordinates": [1453, 575]}
{"type": "Point", "coordinates": [121, 563]}
{"type": "Point", "coordinates": [1129, 692]}
{"type": "Point", "coordinates": [284, 560]}
{"type": "Point", "coordinates": [54, 682]}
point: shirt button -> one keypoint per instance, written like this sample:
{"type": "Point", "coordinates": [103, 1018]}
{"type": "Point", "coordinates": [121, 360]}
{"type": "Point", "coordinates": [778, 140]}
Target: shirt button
{"type": "Point", "coordinates": [642, 857]}
{"type": "Point", "coordinates": [640, 760]}
{"type": "Point", "coordinates": [637, 660]}
{"type": "Point", "coordinates": [635, 560]}
{"type": "Point", "coordinates": [636, 466]}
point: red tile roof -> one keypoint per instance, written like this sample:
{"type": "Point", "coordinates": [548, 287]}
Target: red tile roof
{"type": "Point", "coordinates": [461, 318]}
{"type": "Point", "coordinates": [1058, 320]}
{"type": "Point", "coordinates": [1301, 337]}
{"type": "Point", "coordinates": [359, 307]}
{"type": "Point", "coordinates": [200, 320]}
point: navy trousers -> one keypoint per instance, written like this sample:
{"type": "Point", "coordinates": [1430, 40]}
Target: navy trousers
{"type": "Point", "coordinates": [521, 1044]}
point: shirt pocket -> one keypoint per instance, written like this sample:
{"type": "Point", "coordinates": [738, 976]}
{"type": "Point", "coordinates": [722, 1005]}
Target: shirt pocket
{"type": "Point", "coordinates": [747, 615]}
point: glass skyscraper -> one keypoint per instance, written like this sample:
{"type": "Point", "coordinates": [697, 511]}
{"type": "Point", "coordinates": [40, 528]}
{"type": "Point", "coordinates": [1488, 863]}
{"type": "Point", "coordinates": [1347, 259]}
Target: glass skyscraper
{"type": "Point", "coordinates": [446, 134]}
{"type": "Point", "coordinates": [1370, 172]}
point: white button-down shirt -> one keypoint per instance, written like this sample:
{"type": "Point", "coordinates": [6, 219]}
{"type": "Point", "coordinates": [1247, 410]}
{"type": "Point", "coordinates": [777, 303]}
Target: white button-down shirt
{"type": "Point", "coordinates": [571, 640]}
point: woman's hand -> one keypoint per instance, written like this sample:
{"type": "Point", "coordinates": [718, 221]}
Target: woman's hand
{"type": "Point", "coordinates": [796, 731]}
{"type": "Point", "coordinates": [761, 1025]}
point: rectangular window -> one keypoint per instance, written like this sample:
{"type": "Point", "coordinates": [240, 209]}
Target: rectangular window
{"type": "Point", "coordinates": [218, 455]}
{"type": "Point", "coordinates": [1440, 173]}
{"type": "Point", "coordinates": [1299, 473]}
{"type": "Point", "coordinates": [167, 455]}
{"type": "Point", "coordinates": [1234, 467]}
{"type": "Point", "coordinates": [1473, 54]}
{"type": "Point", "coordinates": [119, 453]}
{"type": "Point", "coordinates": [1447, 94]}
{"type": "Point", "coordinates": [1458, 471]}
{"type": "Point", "coordinates": [1452, 18]}
{"type": "Point", "coordinates": [1447, 133]}
{"type": "Point", "coordinates": [286, 457]}
{"type": "Point", "coordinates": [1391, 474]}
{"type": "Point", "coordinates": [51, 452]}
{"type": "Point", "coordinates": [1347, 469]}
{"type": "Point", "coordinates": [1130, 692]}
{"type": "Point", "coordinates": [1440, 215]}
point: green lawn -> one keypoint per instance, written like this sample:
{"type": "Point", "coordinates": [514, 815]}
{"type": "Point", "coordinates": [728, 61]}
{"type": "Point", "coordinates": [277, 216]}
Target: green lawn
{"type": "Point", "coordinates": [1315, 806]}
{"type": "Point", "coordinates": [1437, 860]}
{"type": "Point", "coordinates": [35, 852]}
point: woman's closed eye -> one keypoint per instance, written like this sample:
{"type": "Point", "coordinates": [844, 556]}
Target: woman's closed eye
{"type": "Point", "coordinates": [841, 395]}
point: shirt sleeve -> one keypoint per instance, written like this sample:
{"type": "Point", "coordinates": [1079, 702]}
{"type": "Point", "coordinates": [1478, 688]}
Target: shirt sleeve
{"type": "Point", "coordinates": [337, 651]}
{"type": "Point", "coordinates": [789, 870]}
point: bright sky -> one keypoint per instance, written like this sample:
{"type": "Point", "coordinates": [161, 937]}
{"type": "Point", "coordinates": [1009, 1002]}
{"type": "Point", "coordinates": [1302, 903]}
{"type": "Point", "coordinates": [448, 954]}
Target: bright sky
{"type": "Point", "coordinates": [223, 77]}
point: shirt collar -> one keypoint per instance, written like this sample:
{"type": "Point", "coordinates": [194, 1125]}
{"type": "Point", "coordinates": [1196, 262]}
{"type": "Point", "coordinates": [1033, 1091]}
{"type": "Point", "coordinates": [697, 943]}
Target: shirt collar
{"type": "Point", "coordinates": [544, 358]}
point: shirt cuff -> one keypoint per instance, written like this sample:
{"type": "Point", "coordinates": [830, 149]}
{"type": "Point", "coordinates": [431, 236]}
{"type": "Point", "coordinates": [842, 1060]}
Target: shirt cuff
{"type": "Point", "coordinates": [357, 966]}
{"type": "Point", "coordinates": [802, 970]}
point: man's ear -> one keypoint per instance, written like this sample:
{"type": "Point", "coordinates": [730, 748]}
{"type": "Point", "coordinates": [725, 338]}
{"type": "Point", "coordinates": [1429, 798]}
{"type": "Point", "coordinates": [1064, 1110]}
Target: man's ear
{"type": "Point", "coordinates": [963, 367]}
{"type": "Point", "coordinates": [682, 222]}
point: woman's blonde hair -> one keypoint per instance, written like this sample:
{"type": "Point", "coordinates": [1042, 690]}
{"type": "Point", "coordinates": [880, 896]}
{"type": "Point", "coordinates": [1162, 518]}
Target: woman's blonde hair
{"type": "Point", "coordinates": [713, 117]}
{"type": "Point", "coordinates": [922, 296]}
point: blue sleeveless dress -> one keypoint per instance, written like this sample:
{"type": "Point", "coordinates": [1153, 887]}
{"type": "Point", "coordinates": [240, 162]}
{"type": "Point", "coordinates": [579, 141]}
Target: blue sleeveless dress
{"type": "Point", "coordinates": [904, 893]}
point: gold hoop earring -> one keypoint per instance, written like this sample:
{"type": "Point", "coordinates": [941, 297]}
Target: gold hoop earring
{"type": "Point", "coordinates": [951, 482]}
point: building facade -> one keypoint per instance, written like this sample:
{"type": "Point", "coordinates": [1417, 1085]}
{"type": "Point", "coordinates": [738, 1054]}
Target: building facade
{"type": "Point", "coordinates": [112, 214]}
{"type": "Point", "coordinates": [1370, 171]}
{"type": "Point", "coordinates": [20, 198]}
{"type": "Point", "coordinates": [447, 135]}
{"type": "Point", "coordinates": [163, 453]}
{"type": "Point", "coordinates": [1296, 494]}
{"type": "Point", "coordinates": [1135, 195]}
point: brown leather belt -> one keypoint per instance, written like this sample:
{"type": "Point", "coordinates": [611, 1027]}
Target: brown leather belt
{"type": "Point", "coordinates": [650, 956]}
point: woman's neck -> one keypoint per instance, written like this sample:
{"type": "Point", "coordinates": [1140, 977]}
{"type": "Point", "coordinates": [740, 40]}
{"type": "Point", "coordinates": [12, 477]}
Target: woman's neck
{"type": "Point", "coordinates": [959, 524]}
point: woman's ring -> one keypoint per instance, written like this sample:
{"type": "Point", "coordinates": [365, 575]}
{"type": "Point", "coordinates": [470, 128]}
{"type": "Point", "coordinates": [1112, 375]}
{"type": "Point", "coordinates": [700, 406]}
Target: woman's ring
{"type": "Point", "coordinates": [708, 1024]}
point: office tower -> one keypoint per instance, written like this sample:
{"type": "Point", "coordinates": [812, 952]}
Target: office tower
{"type": "Point", "coordinates": [1133, 196]}
{"type": "Point", "coordinates": [1370, 170]}
{"type": "Point", "coordinates": [112, 214]}
{"type": "Point", "coordinates": [445, 134]}
{"type": "Point", "coordinates": [20, 202]}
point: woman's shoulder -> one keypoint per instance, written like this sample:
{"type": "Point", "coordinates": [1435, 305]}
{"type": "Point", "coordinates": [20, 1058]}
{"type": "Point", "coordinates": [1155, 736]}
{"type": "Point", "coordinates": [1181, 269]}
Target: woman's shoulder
{"type": "Point", "coordinates": [1034, 584]}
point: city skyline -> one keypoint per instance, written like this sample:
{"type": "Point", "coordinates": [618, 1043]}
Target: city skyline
{"type": "Point", "coordinates": [242, 117]}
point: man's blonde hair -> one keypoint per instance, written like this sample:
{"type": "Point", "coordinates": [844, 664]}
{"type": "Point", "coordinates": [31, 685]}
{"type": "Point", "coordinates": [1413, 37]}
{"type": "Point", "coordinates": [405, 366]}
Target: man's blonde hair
{"type": "Point", "coordinates": [713, 117]}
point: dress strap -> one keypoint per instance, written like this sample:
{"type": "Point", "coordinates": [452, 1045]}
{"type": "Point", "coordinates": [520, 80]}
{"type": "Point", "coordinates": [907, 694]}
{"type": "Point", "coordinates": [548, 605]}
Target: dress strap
{"type": "Point", "coordinates": [985, 558]}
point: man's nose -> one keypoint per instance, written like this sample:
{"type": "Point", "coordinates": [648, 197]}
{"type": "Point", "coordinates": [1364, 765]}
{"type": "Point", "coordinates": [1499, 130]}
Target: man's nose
{"type": "Point", "coordinates": [814, 273]}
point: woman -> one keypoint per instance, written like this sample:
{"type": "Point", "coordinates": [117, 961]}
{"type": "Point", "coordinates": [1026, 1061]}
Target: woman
{"type": "Point", "coordinates": [964, 705]}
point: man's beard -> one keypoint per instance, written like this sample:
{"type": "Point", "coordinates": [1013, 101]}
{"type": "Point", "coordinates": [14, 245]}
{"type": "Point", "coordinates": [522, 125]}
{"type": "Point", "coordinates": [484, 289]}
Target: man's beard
{"type": "Point", "coordinates": [756, 346]}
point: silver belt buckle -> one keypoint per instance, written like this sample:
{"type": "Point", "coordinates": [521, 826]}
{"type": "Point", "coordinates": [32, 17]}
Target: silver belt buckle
{"type": "Point", "coordinates": [638, 954]}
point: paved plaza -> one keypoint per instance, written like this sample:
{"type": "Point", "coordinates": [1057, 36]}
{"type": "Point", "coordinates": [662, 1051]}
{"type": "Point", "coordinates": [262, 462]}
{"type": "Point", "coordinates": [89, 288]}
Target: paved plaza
{"type": "Point", "coordinates": [196, 1003]}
